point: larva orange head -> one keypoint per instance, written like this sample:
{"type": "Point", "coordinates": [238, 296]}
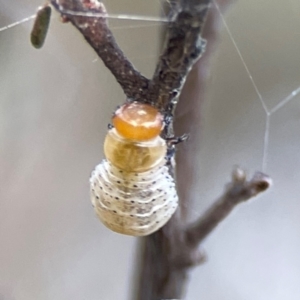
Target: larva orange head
{"type": "Point", "coordinates": [138, 121]}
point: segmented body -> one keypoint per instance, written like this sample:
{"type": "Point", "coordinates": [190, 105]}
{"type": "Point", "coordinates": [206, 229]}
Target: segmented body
{"type": "Point", "coordinates": [133, 203]}
{"type": "Point", "coordinates": [131, 190]}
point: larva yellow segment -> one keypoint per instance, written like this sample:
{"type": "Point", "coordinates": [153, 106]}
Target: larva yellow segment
{"type": "Point", "coordinates": [138, 121]}
{"type": "Point", "coordinates": [133, 203]}
{"type": "Point", "coordinates": [133, 156]}
{"type": "Point", "coordinates": [40, 26]}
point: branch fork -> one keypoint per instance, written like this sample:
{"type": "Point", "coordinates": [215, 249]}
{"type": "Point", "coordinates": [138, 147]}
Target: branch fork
{"type": "Point", "coordinates": [171, 252]}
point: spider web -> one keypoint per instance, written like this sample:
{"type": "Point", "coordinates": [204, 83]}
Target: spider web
{"type": "Point", "coordinates": [272, 103]}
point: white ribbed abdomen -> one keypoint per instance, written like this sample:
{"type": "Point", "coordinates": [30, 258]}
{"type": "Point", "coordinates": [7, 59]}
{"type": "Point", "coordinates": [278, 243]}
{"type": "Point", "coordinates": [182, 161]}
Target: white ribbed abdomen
{"type": "Point", "coordinates": [133, 203]}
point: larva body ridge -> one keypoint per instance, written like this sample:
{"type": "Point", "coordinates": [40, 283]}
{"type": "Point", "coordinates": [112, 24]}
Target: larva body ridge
{"type": "Point", "coordinates": [133, 203]}
{"type": "Point", "coordinates": [132, 190]}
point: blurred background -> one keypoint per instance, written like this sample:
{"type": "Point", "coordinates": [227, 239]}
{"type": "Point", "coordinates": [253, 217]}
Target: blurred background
{"type": "Point", "coordinates": [55, 104]}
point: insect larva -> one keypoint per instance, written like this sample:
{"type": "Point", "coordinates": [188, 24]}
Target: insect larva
{"type": "Point", "coordinates": [131, 190]}
{"type": "Point", "coordinates": [40, 26]}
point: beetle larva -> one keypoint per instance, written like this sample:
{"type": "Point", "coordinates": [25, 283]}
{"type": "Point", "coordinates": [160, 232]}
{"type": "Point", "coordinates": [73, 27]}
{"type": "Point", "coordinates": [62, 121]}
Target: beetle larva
{"type": "Point", "coordinates": [131, 190]}
{"type": "Point", "coordinates": [40, 26]}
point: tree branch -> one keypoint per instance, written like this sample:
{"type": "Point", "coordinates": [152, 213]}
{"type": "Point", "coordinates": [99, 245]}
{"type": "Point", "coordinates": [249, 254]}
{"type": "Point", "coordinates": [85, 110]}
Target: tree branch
{"type": "Point", "coordinates": [182, 49]}
{"type": "Point", "coordinates": [238, 191]}
{"type": "Point", "coordinates": [89, 17]}
{"type": "Point", "coordinates": [171, 252]}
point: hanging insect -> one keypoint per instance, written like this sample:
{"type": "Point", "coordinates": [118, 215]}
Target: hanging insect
{"type": "Point", "coordinates": [40, 26]}
{"type": "Point", "coordinates": [131, 190]}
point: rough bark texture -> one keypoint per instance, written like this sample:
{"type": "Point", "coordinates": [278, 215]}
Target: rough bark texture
{"type": "Point", "coordinates": [170, 253]}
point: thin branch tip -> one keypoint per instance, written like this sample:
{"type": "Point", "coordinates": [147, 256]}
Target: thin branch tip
{"type": "Point", "coordinates": [261, 182]}
{"type": "Point", "coordinates": [237, 191]}
{"type": "Point", "coordinates": [238, 175]}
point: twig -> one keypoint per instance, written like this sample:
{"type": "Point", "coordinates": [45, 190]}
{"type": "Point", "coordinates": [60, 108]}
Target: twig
{"type": "Point", "coordinates": [170, 253]}
{"type": "Point", "coordinates": [238, 191]}
{"type": "Point", "coordinates": [184, 46]}
{"type": "Point", "coordinates": [100, 38]}
{"type": "Point", "coordinates": [182, 49]}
